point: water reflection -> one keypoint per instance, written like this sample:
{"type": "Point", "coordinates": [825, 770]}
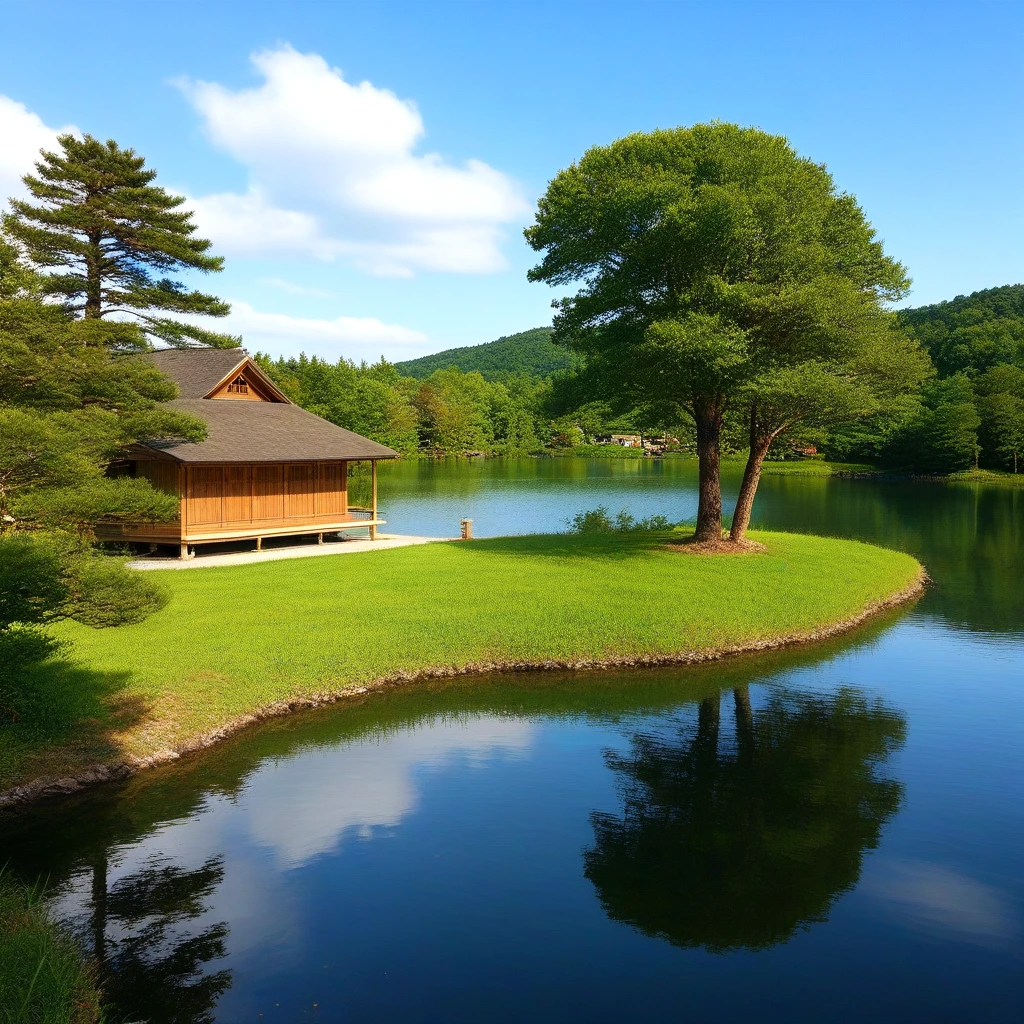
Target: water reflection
{"type": "Point", "coordinates": [736, 843]}
{"type": "Point", "coordinates": [155, 961]}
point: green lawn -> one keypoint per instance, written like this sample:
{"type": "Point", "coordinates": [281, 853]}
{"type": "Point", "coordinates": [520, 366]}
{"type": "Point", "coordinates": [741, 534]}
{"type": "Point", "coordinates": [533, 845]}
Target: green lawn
{"type": "Point", "coordinates": [232, 640]}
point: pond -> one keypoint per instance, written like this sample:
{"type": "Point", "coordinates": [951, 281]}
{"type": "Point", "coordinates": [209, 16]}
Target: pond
{"type": "Point", "coordinates": [829, 833]}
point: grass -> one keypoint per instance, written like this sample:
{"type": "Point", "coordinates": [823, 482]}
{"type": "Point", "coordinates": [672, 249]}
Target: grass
{"type": "Point", "coordinates": [44, 978]}
{"type": "Point", "coordinates": [987, 476]}
{"type": "Point", "coordinates": [233, 640]}
{"type": "Point", "coordinates": [814, 467]}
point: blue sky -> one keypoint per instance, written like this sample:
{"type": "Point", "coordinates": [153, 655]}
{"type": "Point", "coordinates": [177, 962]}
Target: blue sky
{"type": "Point", "coordinates": [367, 168]}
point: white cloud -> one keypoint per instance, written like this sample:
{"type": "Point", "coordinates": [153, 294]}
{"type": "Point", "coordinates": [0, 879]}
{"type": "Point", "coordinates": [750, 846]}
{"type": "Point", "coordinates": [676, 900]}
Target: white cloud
{"type": "Point", "coordinates": [946, 903]}
{"type": "Point", "coordinates": [334, 174]}
{"type": "Point", "coordinates": [303, 807]}
{"type": "Point", "coordinates": [23, 134]}
{"type": "Point", "coordinates": [354, 338]}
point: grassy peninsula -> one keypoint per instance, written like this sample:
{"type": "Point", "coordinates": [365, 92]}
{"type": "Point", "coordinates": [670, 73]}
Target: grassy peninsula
{"type": "Point", "coordinates": [232, 642]}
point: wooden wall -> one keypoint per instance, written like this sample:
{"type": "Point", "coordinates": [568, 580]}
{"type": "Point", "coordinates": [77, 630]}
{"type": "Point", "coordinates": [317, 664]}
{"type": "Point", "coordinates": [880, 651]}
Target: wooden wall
{"type": "Point", "coordinates": [221, 498]}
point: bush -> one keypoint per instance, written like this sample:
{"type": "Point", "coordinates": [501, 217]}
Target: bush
{"type": "Point", "coordinates": [104, 592]}
{"type": "Point", "coordinates": [598, 520]}
{"type": "Point", "coordinates": [32, 584]}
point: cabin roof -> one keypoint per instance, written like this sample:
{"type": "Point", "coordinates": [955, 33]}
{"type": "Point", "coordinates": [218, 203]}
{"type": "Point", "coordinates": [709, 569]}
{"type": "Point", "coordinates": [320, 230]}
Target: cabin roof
{"type": "Point", "coordinates": [197, 371]}
{"type": "Point", "coordinates": [264, 431]}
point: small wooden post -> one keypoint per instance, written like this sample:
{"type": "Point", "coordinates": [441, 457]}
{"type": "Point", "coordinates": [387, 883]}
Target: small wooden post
{"type": "Point", "coordinates": [373, 499]}
{"type": "Point", "coordinates": [467, 529]}
{"type": "Point", "coordinates": [319, 538]}
{"type": "Point", "coordinates": [259, 543]}
{"type": "Point", "coordinates": [184, 551]}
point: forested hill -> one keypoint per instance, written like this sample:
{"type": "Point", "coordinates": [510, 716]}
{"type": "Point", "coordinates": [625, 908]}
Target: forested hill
{"type": "Point", "coordinates": [529, 352]}
{"type": "Point", "coordinates": [974, 332]}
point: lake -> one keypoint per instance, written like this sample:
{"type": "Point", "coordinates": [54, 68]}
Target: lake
{"type": "Point", "coordinates": [830, 833]}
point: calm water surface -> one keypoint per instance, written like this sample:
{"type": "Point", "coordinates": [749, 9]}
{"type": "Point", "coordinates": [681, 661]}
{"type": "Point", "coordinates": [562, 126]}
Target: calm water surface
{"type": "Point", "coordinates": [835, 833]}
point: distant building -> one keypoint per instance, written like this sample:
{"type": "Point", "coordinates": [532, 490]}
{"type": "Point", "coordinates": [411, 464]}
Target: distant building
{"type": "Point", "coordinates": [627, 440]}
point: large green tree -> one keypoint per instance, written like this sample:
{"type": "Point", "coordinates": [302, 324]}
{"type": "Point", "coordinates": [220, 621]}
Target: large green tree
{"type": "Point", "coordinates": [716, 267]}
{"type": "Point", "coordinates": [111, 241]}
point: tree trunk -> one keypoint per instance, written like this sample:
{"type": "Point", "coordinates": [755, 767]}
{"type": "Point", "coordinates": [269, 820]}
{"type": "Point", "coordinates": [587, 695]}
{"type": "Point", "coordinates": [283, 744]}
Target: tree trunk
{"type": "Point", "coordinates": [93, 279]}
{"type": "Point", "coordinates": [708, 417]}
{"type": "Point", "coordinates": [745, 499]}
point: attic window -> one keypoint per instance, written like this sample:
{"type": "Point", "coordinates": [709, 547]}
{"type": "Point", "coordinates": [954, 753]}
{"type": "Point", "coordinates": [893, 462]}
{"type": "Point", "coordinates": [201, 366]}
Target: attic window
{"type": "Point", "coordinates": [238, 387]}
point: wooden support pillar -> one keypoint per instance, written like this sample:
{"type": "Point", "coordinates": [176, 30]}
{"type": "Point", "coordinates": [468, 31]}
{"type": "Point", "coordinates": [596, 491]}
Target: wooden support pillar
{"type": "Point", "coordinates": [259, 543]}
{"type": "Point", "coordinates": [184, 553]}
{"type": "Point", "coordinates": [373, 499]}
{"type": "Point", "coordinates": [319, 538]}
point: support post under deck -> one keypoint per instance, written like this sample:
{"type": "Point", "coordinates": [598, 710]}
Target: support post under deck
{"type": "Point", "coordinates": [373, 499]}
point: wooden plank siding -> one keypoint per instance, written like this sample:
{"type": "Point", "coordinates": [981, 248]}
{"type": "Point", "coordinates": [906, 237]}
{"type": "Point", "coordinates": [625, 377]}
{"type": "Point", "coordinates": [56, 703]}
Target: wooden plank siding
{"type": "Point", "coordinates": [244, 500]}
{"type": "Point", "coordinates": [221, 498]}
{"type": "Point", "coordinates": [268, 492]}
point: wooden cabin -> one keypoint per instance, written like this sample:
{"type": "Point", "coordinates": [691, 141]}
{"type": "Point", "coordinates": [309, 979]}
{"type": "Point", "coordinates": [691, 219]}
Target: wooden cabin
{"type": "Point", "coordinates": [266, 469]}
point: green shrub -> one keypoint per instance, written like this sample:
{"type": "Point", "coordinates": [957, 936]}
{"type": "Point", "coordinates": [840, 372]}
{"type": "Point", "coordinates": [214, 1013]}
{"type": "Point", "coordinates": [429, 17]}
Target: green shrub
{"type": "Point", "coordinates": [598, 520]}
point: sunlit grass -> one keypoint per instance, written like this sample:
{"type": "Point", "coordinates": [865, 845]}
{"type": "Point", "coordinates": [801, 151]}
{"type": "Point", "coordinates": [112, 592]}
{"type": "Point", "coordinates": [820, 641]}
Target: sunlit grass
{"type": "Point", "coordinates": [231, 640]}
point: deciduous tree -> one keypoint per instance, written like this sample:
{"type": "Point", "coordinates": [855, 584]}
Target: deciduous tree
{"type": "Point", "coordinates": [707, 259]}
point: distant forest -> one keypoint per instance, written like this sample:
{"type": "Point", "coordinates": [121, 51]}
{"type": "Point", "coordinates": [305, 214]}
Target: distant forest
{"type": "Point", "coordinates": [531, 352]}
{"type": "Point", "coordinates": [507, 397]}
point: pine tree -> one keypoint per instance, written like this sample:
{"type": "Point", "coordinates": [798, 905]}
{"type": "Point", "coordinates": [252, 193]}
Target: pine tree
{"type": "Point", "coordinates": [109, 238]}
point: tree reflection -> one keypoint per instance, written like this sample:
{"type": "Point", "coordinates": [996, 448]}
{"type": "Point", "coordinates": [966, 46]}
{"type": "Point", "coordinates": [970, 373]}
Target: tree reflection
{"type": "Point", "coordinates": [738, 844]}
{"type": "Point", "coordinates": [153, 959]}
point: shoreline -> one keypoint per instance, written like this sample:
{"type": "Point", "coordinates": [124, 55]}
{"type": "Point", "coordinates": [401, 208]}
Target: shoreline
{"type": "Point", "coordinates": [22, 796]}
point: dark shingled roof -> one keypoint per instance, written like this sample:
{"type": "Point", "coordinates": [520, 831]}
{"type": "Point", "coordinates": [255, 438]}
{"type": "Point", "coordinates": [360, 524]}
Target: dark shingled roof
{"type": "Point", "coordinates": [266, 432]}
{"type": "Point", "coordinates": [197, 371]}
{"type": "Point", "coordinates": [241, 431]}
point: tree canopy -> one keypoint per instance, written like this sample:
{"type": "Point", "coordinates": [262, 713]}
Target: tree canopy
{"type": "Point", "coordinates": [109, 241]}
{"type": "Point", "coordinates": [711, 263]}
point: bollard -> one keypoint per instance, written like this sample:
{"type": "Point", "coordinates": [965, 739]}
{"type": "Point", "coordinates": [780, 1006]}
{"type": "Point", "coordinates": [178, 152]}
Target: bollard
{"type": "Point", "coordinates": [467, 529]}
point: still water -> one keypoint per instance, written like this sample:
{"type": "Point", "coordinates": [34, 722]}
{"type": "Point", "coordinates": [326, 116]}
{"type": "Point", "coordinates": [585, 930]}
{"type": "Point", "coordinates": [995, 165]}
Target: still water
{"type": "Point", "coordinates": [834, 833]}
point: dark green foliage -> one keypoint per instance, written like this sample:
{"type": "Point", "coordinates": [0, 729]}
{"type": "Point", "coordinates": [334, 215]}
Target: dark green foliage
{"type": "Point", "coordinates": [1001, 407]}
{"type": "Point", "coordinates": [448, 413]}
{"type": "Point", "coordinates": [971, 333]}
{"type": "Point", "coordinates": [941, 436]}
{"type": "Point", "coordinates": [598, 520]}
{"type": "Point", "coordinates": [110, 239]}
{"type": "Point", "coordinates": [531, 353]}
{"type": "Point", "coordinates": [73, 395]}
{"type": "Point", "coordinates": [33, 585]}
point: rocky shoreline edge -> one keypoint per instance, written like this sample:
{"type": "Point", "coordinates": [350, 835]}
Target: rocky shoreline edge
{"type": "Point", "coordinates": [48, 786]}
